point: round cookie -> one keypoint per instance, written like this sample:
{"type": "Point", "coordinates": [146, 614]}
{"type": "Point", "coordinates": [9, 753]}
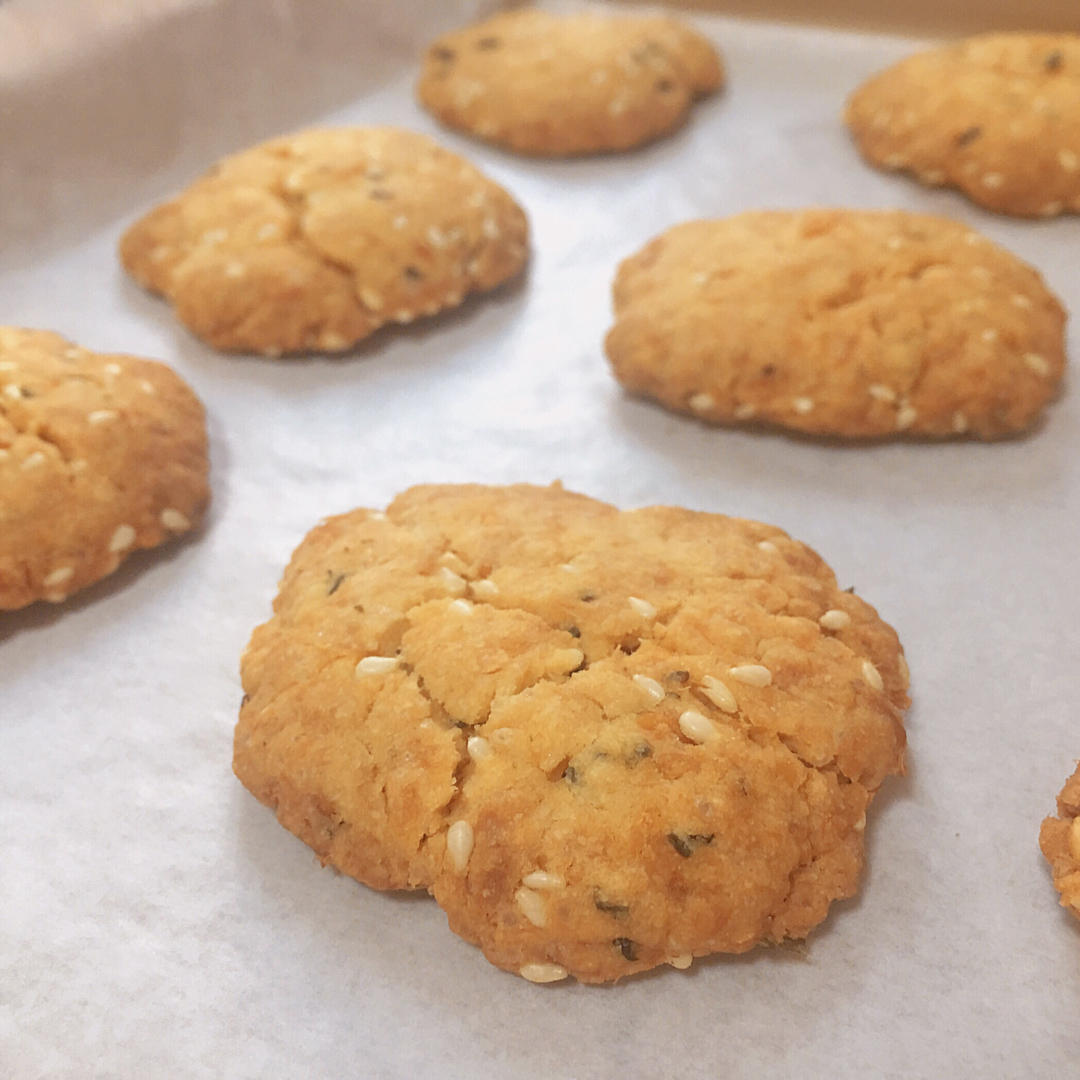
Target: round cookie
{"type": "Point", "coordinates": [603, 740]}
{"type": "Point", "coordinates": [997, 116]}
{"type": "Point", "coordinates": [838, 322]}
{"type": "Point", "coordinates": [555, 85]}
{"type": "Point", "coordinates": [100, 455]}
{"type": "Point", "coordinates": [314, 241]}
{"type": "Point", "coordinates": [1059, 839]}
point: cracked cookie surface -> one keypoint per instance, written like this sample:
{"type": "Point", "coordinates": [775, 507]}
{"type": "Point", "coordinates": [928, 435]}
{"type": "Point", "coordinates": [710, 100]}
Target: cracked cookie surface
{"type": "Point", "coordinates": [313, 241]}
{"type": "Point", "coordinates": [100, 455]}
{"type": "Point", "coordinates": [997, 116]}
{"type": "Point", "coordinates": [555, 85]}
{"type": "Point", "coordinates": [603, 740]}
{"type": "Point", "coordinates": [856, 324]}
{"type": "Point", "coordinates": [1059, 839]}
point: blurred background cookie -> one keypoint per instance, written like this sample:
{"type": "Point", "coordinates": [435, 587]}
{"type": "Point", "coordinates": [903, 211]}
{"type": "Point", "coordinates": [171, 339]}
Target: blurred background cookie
{"type": "Point", "coordinates": [603, 740]}
{"type": "Point", "coordinates": [313, 241]}
{"type": "Point", "coordinates": [997, 116]}
{"type": "Point", "coordinates": [100, 455]}
{"type": "Point", "coordinates": [552, 85]}
{"type": "Point", "coordinates": [847, 323]}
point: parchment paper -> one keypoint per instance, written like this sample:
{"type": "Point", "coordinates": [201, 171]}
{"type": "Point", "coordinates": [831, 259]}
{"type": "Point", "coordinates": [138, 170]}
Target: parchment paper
{"type": "Point", "coordinates": [155, 921]}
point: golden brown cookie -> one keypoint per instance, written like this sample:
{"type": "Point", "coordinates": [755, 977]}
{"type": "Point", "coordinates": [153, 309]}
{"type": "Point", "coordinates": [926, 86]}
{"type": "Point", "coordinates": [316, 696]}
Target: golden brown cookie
{"type": "Point", "coordinates": [100, 455]}
{"type": "Point", "coordinates": [554, 85]}
{"type": "Point", "coordinates": [603, 740]}
{"type": "Point", "coordinates": [314, 241]}
{"type": "Point", "coordinates": [997, 116]}
{"type": "Point", "coordinates": [1059, 839]}
{"type": "Point", "coordinates": [838, 322]}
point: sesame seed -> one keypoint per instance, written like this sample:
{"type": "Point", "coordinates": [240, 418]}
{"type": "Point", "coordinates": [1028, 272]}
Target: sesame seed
{"type": "Point", "coordinates": [371, 299]}
{"type": "Point", "coordinates": [213, 236]}
{"type": "Point", "coordinates": [894, 243]}
{"type": "Point", "coordinates": [331, 342]}
{"type": "Point", "coordinates": [454, 561]}
{"type": "Point", "coordinates": [745, 411]}
{"type": "Point", "coordinates": [160, 252]}
{"type": "Point", "coordinates": [835, 619]}
{"type": "Point", "coordinates": [459, 844]}
{"type": "Point", "coordinates": [478, 747]}
{"type": "Point", "coordinates": [993, 180]}
{"type": "Point", "coordinates": [682, 961]}
{"type": "Point", "coordinates": [491, 229]}
{"type": "Point", "coordinates": [696, 726]}
{"type": "Point", "coordinates": [598, 77]}
{"type": "Point", "coordinates": [32, 461]}
{"type": "Point", "coordinates": [751, 674]}
{"type": "Point", "coordinates": [642, 607]}
{"type": "Point", "coordinates": [702, 402]}
{"type": "Point", "coordinates": [7, 365]}
{"type": "Point", "coordinates": [122, 538]}
{"type": "Point", "coordinates": [12, 391]}
{"type": "Point", "coordinates": [769, 546]}
{"type": "Point", "coordinates": [617, 106]}
{"type": "Point", "coordinates": [294, 181]}
{"type": "Point", "coordinates": [4, 453]}
{"type": "Point", "coordinates": [905, 417]}
{"type": "Point", "coordinates": [532, 905]}
{"type": "Point", "coordinates": [651, 687]}
{"type": "Point", "coordinates": [146, 386]}
{"type": "Point", "coordinates": [269, 231]}
{"type": "Point", "coordinates": [376, 665]}
{"type": "Point", "coordinates": [58, 577]}
{"type": "Point", "coordinates": [235, 270]}
{"type": "Point", "coordinates": [1036, 363]}
{"type": "Point", "coordinates": [543, 973]}
{"type": "Point", "coordinates": [403, 315]}
{"type": "Point", "coordinates": [959, 423]}
{"type": "Point", "coordinates": [568, 659]}
{"type": "Point", "coordinates": [454, 583]}
{"type": "Point", "coordinates": [436, 237]}
{"type": "Point", "coordinates": [101, 416]}
{"type": "Point", "coordinates": [570, 568]}
{"type": "Point", "coordinates": [462, 607]}
{"type": "Point", "coordinates": [718, 693]}
{"type": "Point", "coordinates": [905, 671]}
{"type": "Point", "coordinates": [485, 588]}
{"type": "Point", "coordinates": [881, 392]}
{"type": "Point", "coordinates": [1070, 161]}
{"type": "Point", "coordinates": [172, 519]}
{"type": "Point", "coordinates": [802, 405]}
{"type": "Point", "coordinates": [860, 825]}
{"type": "Point", "coordinates": [699, 278]}
{"type": "Point", "coordinates": [113, 369]}
{"type": "Point", "coordinates": [872, 676]}
{"type": "Point", "coordinates": [1051, 209]}
{"type": "Point", "coordinates": [1021, 301]}
{"type": "Point", "coordinates": [542, 879]}
{"type": "Point", "coordinates": [376, 515]}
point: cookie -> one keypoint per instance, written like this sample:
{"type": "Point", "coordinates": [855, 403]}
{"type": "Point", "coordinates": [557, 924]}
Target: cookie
{"type": "Point", "coordinates": [1059, 839]}
{"type": "Point", "coordinates": [555, 85]}
{"type": "Point", "coordinates": [997, 116]}
{"type": "Point", "coordinates": [100, 455]}
{"type": "Point", "coordinates": [313, 242]}
{"type": "Point", "coordinates": [602, 740]}
{"type": "Point", "coordinates": [838, 322]}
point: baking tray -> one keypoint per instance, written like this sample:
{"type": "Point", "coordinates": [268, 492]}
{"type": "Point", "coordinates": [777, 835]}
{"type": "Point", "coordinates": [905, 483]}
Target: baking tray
{"type": "Point", "coordinates": [156, 921]}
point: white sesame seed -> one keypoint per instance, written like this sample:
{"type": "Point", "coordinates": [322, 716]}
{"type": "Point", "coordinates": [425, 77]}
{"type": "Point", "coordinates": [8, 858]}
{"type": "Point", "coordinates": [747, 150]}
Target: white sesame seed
{"type": "Point", "coordinates": [403, 315]}
{"type": "Point", "coordinates": [542, 879]}
{"type": "Point", "coordinates": [235, 270]}
{"type": "Point", "coordinates": [835, 619]}
{"type": "Point", "coordinates": [989, 335]}
{"type": "Point", "coordinates": [881, 392]}
{"type": "Point", "coordinates": [478, 747]}
{"type": "Point", "coordinates": [122, 539]}
{"type": "Point", "coordinates": [702, 402]}
{"type": "Point", "coordinates": [769, 546]}
{"type": "Point", "coordinates": [617, 106]}
{"type": "Point", "coordinates": [12, 391]}
{"type": "Point", "coordinates": [1070, 161]}
{"type": "Point", "coordinates": [751, 674]}
{"type": "Point", "coordinates": [651, 687]}
{"type": "Point", "coordinates": [905, 671]}
{"type": "Point", "coordinates": [598, 77]}
{"type": "Point", "coordinates": [642, 607]}
{"type": "Point", "coordinates": [7, 365]}
{"type": "Point", "coordinates": [113, 370]}
{"type": "Point", "coordinates": [1036, 363]}
{"type": "Point", "coordinates": [570, 568]}
{"type": "Point", "coordinates": [146, 386]}
{"type": "Point", "coordinates": [400, 221]}
{"type": "Point", "coordinates": [436, 237]}
{"type": "Point", "coordinates": [860, 825]}
{"type": "Point", "coordinates": [376, 515]}
{"type": "Point", "coordinates": [490, 228]}
{"type": "Point", "coordinates": [294, 181]}
{"type": "Point", "coordinates": [172, 519]}
{"type": "Point", "coordinates": [371, 299]}
{"type": "Point", "coordinates": [745, 411]}
{"type": "Point", "coordinates": [4, 453]}
{"type": "Point", "coordinates": [376, 665]}
{"type": "Point", "coordinates": [532, 905]}
{"type": "Point", "coordinates": [454, 583]}
{"type": "Point", "coordinates": [269, 231]}
{"type": "Point", "coordinates": [872, 676]}
{"type": "Point", "coordinates": [802, 405]}
{"type": "Point", "coordinates": [905, 417]}
{"type": "Point", "coordinates": [696, 726]}
{"type": "Point", "coordinates": [894, 243]}
{"type": "Point", "coordinates": [682, 961]}
{"type": "Point", "coordinates": [332, 342]}
{"type": "Point", "coordinates": [32, 461]}
{"type": "Point", "coordinates": [459, 844]}
{"type": "Point", "coordinates": [699, 278]}
{"type": "Point", "coordinates": [160, 252]}
{"type": "Point", "coordinates": [542, 973]}
{"type": "Point", "coordinates": [718, 693]}
{"type": "Point", "coordinates": [101, 416]}
{"type": "Point", "coordinates": [993, 180]}
{"type": "Point", "coordinates": [1051, 209]}
{"type": "Point", "coordinates": [568, 659]}
{"type": "Point", "coordinates": [213, 236]}
{"type": "Point", "coordinates": [58, 577]}
{"type": "Point", "coordinates": [959, 422]}
{"type": "Point", "coordinates": [485, 588]}
{"type": "Point", "coordinates": [1021, 301]}
{"type": "Point", "coordinates": [462, 607]}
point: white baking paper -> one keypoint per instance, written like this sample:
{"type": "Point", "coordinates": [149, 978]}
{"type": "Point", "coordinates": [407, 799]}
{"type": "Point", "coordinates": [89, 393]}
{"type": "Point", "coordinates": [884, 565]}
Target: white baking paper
{"type": "Point", "coordinates": [156, 921]}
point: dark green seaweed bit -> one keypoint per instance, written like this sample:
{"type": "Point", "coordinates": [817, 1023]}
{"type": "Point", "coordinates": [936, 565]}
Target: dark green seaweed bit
{"type": "Point", "coordinates": [639, 752]}
{"type": "Point", "coordinates": [441, 52]}
{"type": "Point", "coordinates": [488, 43]}
{"type": "Point", "coordinates": [571, 775]}
{"type": "Point", "coordinates": [680, 678]}
{"type": "Point", "coordinates": [627, 947]}
{"type": "Point", "coordinates": [687, 843]}
{"type": "Point", "coordinates": [1054, 60]}
{"type": "Point", "coordinates": [335, 582]}
{"type": "Point", "coordinates": [610, 907]}
{"type": "Point", "coordinates": [968, 135]}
